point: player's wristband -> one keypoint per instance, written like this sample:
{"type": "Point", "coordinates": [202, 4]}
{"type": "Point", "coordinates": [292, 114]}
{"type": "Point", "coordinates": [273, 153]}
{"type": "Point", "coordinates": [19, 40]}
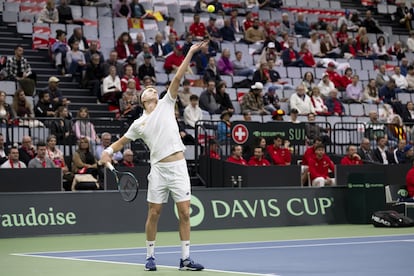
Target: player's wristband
{"type": "Point", "coordinates": [109, 150]}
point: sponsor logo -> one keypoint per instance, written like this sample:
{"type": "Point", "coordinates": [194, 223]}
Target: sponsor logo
{"type": "Point", "coordinates": [34, 218]}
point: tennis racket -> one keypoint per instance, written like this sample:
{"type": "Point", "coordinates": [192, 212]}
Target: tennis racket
{"type": "Point", "coordinates": [127, 183]}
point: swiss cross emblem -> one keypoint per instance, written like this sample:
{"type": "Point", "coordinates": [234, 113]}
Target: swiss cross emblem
{"type": "Point", "coordinates": [240, 134]}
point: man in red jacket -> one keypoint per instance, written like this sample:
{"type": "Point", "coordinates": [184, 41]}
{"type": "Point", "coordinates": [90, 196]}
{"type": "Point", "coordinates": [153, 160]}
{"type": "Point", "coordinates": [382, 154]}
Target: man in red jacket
{"type": "Point", "coordinates": [335, 77]}
{"type": "Point", "coordinates": [351, 157]}
{"type": "Point", "coordinates": [236, 155]}
{"type": "Point", "coordinates": [280, 155]}
{"type": "Point", "coordinates": [174, 60]}
{"type": "Point", "coordinates": [257, 159]}
{"type": "Point", "coordinates": [319, 168]}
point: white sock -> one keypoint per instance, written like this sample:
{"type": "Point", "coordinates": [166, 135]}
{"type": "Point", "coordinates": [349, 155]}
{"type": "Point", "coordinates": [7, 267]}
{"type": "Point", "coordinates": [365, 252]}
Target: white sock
{"type": "Point", "coordinates": [150, 248]}
{"type": "Point", "coordinates": [185, 249]}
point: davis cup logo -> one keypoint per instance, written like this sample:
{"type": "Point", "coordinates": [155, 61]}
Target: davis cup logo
{"type": "Point", "coordinates": [240, 134]}
{"type": "Point", "coordinates": [196, 211]}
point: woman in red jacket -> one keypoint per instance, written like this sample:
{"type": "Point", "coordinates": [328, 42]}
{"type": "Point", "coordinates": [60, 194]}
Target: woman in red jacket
{"type": "Point", "coordinates": [124, 46]}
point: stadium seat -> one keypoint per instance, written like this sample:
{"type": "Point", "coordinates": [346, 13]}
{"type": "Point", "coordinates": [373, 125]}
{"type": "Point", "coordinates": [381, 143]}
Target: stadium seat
{"type": "Point", "coordinates": [356, 109]}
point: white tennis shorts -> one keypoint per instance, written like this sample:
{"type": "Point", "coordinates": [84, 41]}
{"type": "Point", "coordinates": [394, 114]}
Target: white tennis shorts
{"type": "Point", "coordinates": [166, 177]}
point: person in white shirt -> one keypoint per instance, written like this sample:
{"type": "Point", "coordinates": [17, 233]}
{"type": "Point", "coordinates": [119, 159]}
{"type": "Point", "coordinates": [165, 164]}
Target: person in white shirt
{"type": "Point", "coordinates": [192, 112]}
{"type": "Point", "coordinates": [314, 44]}
{"type": "Point", "coordinates": [410, 41]}
{"type": "Point", "coordinates": [400, 80]}
{"type": "Point", "coordinates": [111, 87]}
{"type": "Point", "coordinates": [301, 101]}
{"type": "Point", "coordinates": [325, 86]}
{"type": "Point", "coordinates": [158, 128]}
{"type": "Point", "coordinates": [13, 161]}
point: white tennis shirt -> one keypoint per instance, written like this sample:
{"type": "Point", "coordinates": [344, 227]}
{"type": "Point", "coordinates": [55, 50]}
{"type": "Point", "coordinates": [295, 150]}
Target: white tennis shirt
{"type": "Point", "coordinates": [159, 130]}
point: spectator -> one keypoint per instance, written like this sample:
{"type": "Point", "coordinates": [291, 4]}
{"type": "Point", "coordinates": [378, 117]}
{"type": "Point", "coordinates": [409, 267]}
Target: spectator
{"type": "Point", "coordinates": [328, 49]}
{"type": "Point", "coordinates": [248, 21]}
{"type": "Point", "coordinates": [111, 87]}
{"type": "Point", "coordinates": [325, 86]}
{"type": "Point", "coordinates": [192, 112]}
{"type": "Point", "coordinates": [83, 127]}
{"type": "Point", "coordinates": [380, 49]}
{"type": "Point", "coordinates": [83, 161]}
{"type": "Point", "coordinates": [185, 93]}
{"type": "Point", "coordinates": [277, 115]}
{"type": "Point", "coordinates": [41, 160]}
{"type": "Point", "coordinates": [301, 101]}
{"type": "Point", "coordinates": [169, 28]}
{"type": "Point", "coordinates": [49, 14]}
{"type": "Point", "coordinates": [348, 49]}
{"type": "Point", "coordinates": [227, 31]}
{"type": "Point", "coordinates": [13, 161]}
{"type": "Point", "coordinates": [173, 61]}
{"type": "Point", "coordinates": [382, 78]}
{"type": "Point", "coordinates": [269, 52]}
{"type": "Point", "coordinates": [3, 150]}
{"type": "Point", "coordinates": [258, 159]}
{"type": "Point", "coordinates": [128, 104]}
{"type": "Point", "coordinates": [338, 80]}
{"type": "Point", "coordinates": [302, 28]}
{"type": "Point", "coordinates": [129, 74]}
{"type": "Point", "coordinates": [224, 64]}
{"type": "Point", "coordinates": [342, 35]}
{"type": "Point", "coordinates": [75, 61]}
{"type": "Point", "coordinates": [26, 151]}
{"type": "Point", "coordinates": [201, 59]}
{"type": "Point", "coordinates": [400, 81]}
{"type": "Point", "coordinates": [61, 127]}
{"type": "Point", "coordinates": [6, 112]}
{"type": "Point", "coordinates": [147, 69]}
{"type": "Point", "coordinates": [410, 41]}
{"type": "Point", "coordinates": [93, 49]}
{"type": "Point", "coordinates": [223, 97]}
{"type": "Point", "coordinates": [139, 42]}
{"type": "Point", "coordinates": [247, 116]}
{"type": "Point", "coordinates": [56, 155]}
{"type": "Point", "coordinates": [364, 151]}
{"type": "Point", "coordinates": [346, 20]}
{"type": "Point", "coordinates": [254, 34]}
{"type": "Point", "coordinates": [200, 6]}
{"type": "Point", "coordinates": [55, 93]}
{"type": "Point", "coordinates": [353, 92]}
{"type": "Point", "coordinates": [381, 155]}
{"type": "Point", "coordinates": [253, 101]}
{"type": "Point", "coordinates": [399, 153]}
{"type": "Point", "coordinates": [197, 29]}
{"type": "Point", "coordinates": [409, 180]}
{"type": "Point", "coordinates": [157, 48]}
{"type": "Point", "coordinates": [374, 128]}
{"type": "Point", "coordinates": [65, 14]}
{"type": "Point", "coordinates": [237, 155]}
{"type": "Point", "coordinates": [408, 154]}
{"type": "Point", "coordinates": [22, 107]}
{"type": "Point", "coordinates": [171, 44]}
{"type": "Point", "coordinates": [403, 16]}
{"type": "Point", "coordinates": [319, 168]}
{"type": "Point", "coordinates": [106, 139]}
{"type": "Point", "coordinates": [213, 31]}
{"type": "Point", "coordinates": [331, 36]}
{"type": "Point", "coordinates": [404, 66]}
{"type": "Point", "coordinates": [280, 155]}
{"type": "Point", "coordinates": [410, 77]}
{"type": "Point", "coordinates": [269, 77]}
{"type": "Point", "coordinates": [371, 94]}
{"type": "Point", "coordinates": [397, 51]}
{"type": "Point", "coordinates": [44, 108]}
{"type": "Point", "coordinates": [271, 100]}
{"type": "Point", "coordinates": [351, 157]}
{"type": "Point", "coordinates": [128, 159]}
{"type": "Point", "coordinates": [214, 149]}
{"type": "Point", "coordinates": [94, 74]}
{"type": "Point", "coordinates": [59, 49]}
{"type": "Point", "coordinates": [234, 22]}
{"type": "Point", "coordinates": [122, 9]}
{"type": "Point", "coordinates": [211, 72]}
{"type": "Point", "coordinates": [318, 102]}
{"type": "Point", "coordinates": [124, 46]}
{"type": "Point", "coordinates": [208, 101]}
{"type": "Point", "coordinates": [294, 116]}
{"type": "Point", "coordinates": [138, 10]}
{"type": "Point", "coordinates": [113, 61]}
{"type": "Point", "coordinates": [77, 35]}
{"type": "Point", "coordinates": [285, 25]}
{"type": "Point", "coordinates": [306, 55]}
{"type": "Point", "coordinates": [395, 130]}
{"type": "Point", "coordinates": [291, 57]}
{"type": "Point", "coordinates": [335, 106]}
{"type": "Point", "coordinates": [371, 24]}
{"type": "Point", "coordinates": [314, 131]}
{"type": "Point", "coordinates": [223, 128]}
{"type": "Point", "coordinates": [314, 44]}
{"type": "Point", "coordinates": [364, 50]}
{"type": "Point", "coordinates": [241, 68]}
{"type": "Point", "coordinates": [186, 138]}
{"type": "Point", "coordinates": [388, 92]}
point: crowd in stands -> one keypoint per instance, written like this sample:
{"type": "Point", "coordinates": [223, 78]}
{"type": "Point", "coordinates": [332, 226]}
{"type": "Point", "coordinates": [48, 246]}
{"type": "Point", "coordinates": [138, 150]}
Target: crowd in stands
{"type": "Point", "coordinates": [132, 65]}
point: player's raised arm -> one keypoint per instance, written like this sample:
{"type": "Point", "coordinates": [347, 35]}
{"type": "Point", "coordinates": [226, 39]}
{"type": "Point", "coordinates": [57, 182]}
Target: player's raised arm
{"type": "Point", "coordinates": [175, 83]}
{"type": "Point", "coordinates": [115, 147]}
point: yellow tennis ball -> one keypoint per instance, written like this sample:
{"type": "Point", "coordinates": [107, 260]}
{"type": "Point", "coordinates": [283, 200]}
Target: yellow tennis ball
{"type": "Point", "coordinates": [211, 8]}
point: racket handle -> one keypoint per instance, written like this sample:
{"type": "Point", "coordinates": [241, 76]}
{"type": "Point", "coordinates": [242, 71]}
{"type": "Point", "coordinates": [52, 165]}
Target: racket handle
{"type": "Point", "coordinates": [109, 166]}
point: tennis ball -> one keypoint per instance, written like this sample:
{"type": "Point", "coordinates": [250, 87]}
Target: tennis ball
{"type": "Point", "coordinates": [211, 8]}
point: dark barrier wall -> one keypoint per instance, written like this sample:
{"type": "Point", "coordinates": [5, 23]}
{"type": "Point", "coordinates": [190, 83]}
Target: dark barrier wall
{"type": "Point", "coordinates": [140, 172]}
{"type": "Point", "coordinates": [30, 180]}
{"type": "Point", "coordinates": [32, 214]}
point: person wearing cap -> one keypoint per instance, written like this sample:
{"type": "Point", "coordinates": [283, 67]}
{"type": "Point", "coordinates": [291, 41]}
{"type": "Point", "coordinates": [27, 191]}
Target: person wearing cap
{"type": "Point", "coordinates": [271, 100]}
{"type": "Point", "coordinates": [55, 93]}
{"type": "Point", "coordinates": [351, 157]}
{"type": "Point", "coordinates": [255, 33]}
{"type": "Point", "coordinates": [301, 101]}
{"type": "Point", "coordinates": [408, 155]}
{"type": "Point", "coordinates": [197, 29]}
{"type": "Point", "coordinates": [147, 69]}
{"type": "Point", "coordinates": [277, 115]}
{"type": "Point", "coordinates": [269, 52]}
{"type": "Point", "coordinates": [253, 101]}
{"type": "Point", "coordinates": [338, 80]}
{"type": "Point", "coordinates": [59, 49]}
{"type": "Point", "coordinates": [224, 127]}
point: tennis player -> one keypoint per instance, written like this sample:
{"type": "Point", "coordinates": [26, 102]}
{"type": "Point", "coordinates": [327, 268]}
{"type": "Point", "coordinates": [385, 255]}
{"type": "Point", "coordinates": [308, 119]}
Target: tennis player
{"type": "Point", "coordinates": [157, 127]}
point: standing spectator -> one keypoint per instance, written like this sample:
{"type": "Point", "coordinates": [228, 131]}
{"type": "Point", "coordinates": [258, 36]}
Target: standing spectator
{"type": "Point", "coordinates": [351, 157]}
{"type": "Point", "coordinates": [61, 127]}
{"type": "Point", "coordinates": [124, 47]}
{"type": "Point", "coordinates": [78, 35]}
{"type": "Point", "coordinates": [319, 168]}
{"type": "Point", "coordinates": [106, 139]}
{"type": "Point", "coordinates": [253, 101]}
{"type": "Point", "coordinates": [301, 101]}
{"type": "Point", "coordinates": [13, 161]}
{"type": "Point", "coordinates": [280, 155]}
{"type": "Point", "coordinates": [257, 159]}
{"type": "Point", "coordinates": [6, 112]}
{"type": "Point", "coordinates": [41, 160]}
{"type": "Point", "coordinates": [192, 112]}
{"type": "Point", "coordinates": [223, 128]}
{"type": "Point", "coordinates": [94, 74]}
{"type": "Point", "coordinates": [122, 9]}
{"type": "Point", "coordinates": [27, 151]}
{"type": "Point", "coordinates": [49, 14]}
{"type": "Point", "coordinates": [111, 87]}
{"type": "Point", "coordinates": [237, 155]}
{"type": "Point", "coordinates": [208, 100]}
{"type": "Point", "coordinates": [335, 106]}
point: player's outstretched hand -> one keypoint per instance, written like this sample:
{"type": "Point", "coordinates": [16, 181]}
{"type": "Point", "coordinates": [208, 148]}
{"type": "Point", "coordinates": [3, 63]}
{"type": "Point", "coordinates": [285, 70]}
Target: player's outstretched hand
{"type": "Point", "coordinates": [197, 46]}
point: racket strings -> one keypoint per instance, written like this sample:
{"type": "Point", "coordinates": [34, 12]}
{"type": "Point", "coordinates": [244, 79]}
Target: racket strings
{"type": "Point", "coordinates": [128, 187]}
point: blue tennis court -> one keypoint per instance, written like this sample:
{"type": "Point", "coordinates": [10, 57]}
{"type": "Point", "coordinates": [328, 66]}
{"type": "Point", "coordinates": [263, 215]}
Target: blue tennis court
{"type": "Point", "coordinates": [379, 255]}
